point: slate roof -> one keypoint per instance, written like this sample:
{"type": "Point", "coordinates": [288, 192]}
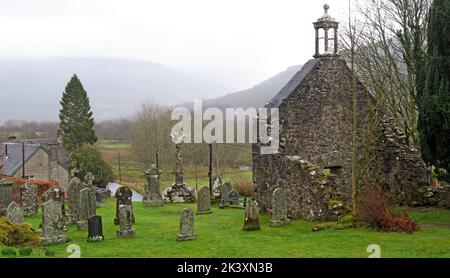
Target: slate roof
{"type": "Point", "coordinates": [293, 83]}
{"type": "Point", "coordinates": [13, 162]}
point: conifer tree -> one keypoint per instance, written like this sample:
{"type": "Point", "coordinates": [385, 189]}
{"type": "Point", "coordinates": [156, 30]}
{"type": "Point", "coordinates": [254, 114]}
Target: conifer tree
{"type": "Point", "coordinates": [434, 96]}
{"type": "Point", "coordinates": [75, 116]}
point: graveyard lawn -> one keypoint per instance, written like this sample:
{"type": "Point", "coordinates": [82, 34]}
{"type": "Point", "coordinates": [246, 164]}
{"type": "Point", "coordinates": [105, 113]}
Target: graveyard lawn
{"type": "Point", "coordinates": [220, 235]}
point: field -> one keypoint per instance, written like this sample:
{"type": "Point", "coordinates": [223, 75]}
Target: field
{"type": "Point", "coordinates": [220, 235]}
{"type": "Point", "coordinates": [132, 171]}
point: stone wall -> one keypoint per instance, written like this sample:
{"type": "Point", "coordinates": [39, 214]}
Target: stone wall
{"type": "Point", "coordinates": [316, 128]}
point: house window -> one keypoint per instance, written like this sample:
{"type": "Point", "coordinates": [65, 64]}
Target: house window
{"type": "Point", "coordinates": [30, 177]}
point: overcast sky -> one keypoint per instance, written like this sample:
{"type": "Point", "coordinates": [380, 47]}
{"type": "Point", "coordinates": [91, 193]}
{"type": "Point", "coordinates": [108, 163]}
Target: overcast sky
{"type": "Point", "coordinates": [235, 42]}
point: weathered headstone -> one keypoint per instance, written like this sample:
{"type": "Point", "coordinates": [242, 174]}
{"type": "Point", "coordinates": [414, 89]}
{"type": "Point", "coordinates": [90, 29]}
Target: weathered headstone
{"type": "Point", "coordinates": [251, 221]}
{"type": "Point", "coordinates": [53, 223]}
{"type": "Point", "coordinates": [14, 213]}
{"type": "Point", "coordinates": [152, 197]}
{"type": "Point", "coordinates": [123, 197]}
{"type": "Point", "coordinates": [279, 208]}
{"type": "Point", "coordinates": [233, 198]}
{"type": "Point", "coordinates": [186, 225]}
{"type": "Point", "coordinates": [83, 210]}
{"type": "Point", "coordinates": [125, 222]}
{"type": "Point", "coordinates": [5, 195]}
{"type": "Point", "coordinates": [73, 191]}
{"type": "Point", "coordinates": [56, 194]}
{"type": "Point", "coordinates": [95, 229]}
{"type": "Point", "coordinates": [217, 187]}
{"type": "Point", "coordinates": [204, 201]}
{"type": "Point", "coordinates": [224, 195]}
{"type": "Point", "coordinates": [29, 198]}
{"type": "Point", "coordinates": [89, 179]}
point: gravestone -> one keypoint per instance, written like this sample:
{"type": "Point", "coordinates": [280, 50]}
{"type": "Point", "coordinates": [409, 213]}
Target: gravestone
{"type": "Point", "coordinates": [52, 223]}
{"type": "Point", "coordinates": [5, 195]}
{"type": "Point", "coordinates": [204, 201]}
{"type": "Point", "coordinates": [186, 225]}
{"type": "Point", "coordinates": [233, 198]}
{"type": "Point", "coordinates": [95, 229]}
{"type": "Point", "coordinates": [125, 222]}
{"type": "Point", "coordinates": [56, 194]}
{"type": "Point", "coordinates": [73, 191]}
{"type": "Point", "coordinates": [217, 187]}
{"type": "Point", "coordinates": [29, 198]}
{"type": "Point", "coordinates": [152, 196]}
{"type": "Point", "coordinates": [224, 195]}
{"type": "Point", "coordinates": [14, 213]}
{"type": "Point", "coordinates": [89, 179]}
{"type": "Point", "coordinates": [83, 209]}
{"type": "Point", "coordinates": [279, 208]}
{"type": "Point", "coordinates": [251, 221]}
{"type": "Point", "coordinates": [123, 197]}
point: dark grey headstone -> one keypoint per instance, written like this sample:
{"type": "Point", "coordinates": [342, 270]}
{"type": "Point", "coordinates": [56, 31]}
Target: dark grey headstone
{"type": "Point", "coordinates": [95, 229]}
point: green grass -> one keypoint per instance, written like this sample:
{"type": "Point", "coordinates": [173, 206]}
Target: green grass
{"type": "Point", "coordinates": [220, 235]}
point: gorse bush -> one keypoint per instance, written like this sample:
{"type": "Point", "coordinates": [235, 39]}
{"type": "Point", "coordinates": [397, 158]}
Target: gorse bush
{"type": "Point", "coordinates": [374, 209]}
{"type": "Point", "coordinates": [12, 234]}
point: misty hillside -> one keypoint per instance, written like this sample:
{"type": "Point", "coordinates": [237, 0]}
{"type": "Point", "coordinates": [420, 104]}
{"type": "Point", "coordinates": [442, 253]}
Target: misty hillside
{"type": "Point", "coordinates": [258, 95]}
{"type": "Point", "coordinates": [30, 89]}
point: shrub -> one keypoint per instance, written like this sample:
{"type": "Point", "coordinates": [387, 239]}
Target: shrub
{"type": "Point", "coordinates": [244, 188]}
{"type": "Point", "coordinates": [374, 209]}
{"type": "Point", "coordinates": [26, 251]}
{"type": "Point", "coordinates": [9, 252]}
{"type": "Point", "coordinates": [88, 159]}
{"type": "Point", "coordinates": [49, 253]}
{"type": "Point", "coordinates": [12, 234]}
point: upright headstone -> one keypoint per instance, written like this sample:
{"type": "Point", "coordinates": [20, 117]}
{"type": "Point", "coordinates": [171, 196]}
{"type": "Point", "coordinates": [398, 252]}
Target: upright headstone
{"type": "Point", "coordinates": [5, 195]}
{"type": "Point", "coordinates": [73, 191]}
{"type": "Point", "coordinates": [95, 229]}
{"type": "Point", "coordinates": [217, 187]}
{"type": "Point", "coordinates": [224, 195]}
{"type": "Point", "coordinates": [233, 198]}
{"type": "Point", "coordinates": [83, 209]}
{"type": "Point", "coordinates": [186, 225]}
{"type": "Point", "coordinates": [152, 197]}
{"type": "Point", "coordinates": [125, 222]}
{"type": "Point", "coordinates": [52, 223]}
{"type": "Point", "coordinates": [89, 180]}
{"type": "Point", "coordinates": [251, 221]}
{"type": "Point", "coordinates": [29, 198]}
{"type": "Point", "coordinates": [123, 197]}
{"type": "Point", "coordinates": [56, 194]}
{"type": "Point", "coordinates": [279, 208]}
{"type": "Point", "coordinates": [204, 201]}
{"type": "Point", "coordinates": [14, 213]}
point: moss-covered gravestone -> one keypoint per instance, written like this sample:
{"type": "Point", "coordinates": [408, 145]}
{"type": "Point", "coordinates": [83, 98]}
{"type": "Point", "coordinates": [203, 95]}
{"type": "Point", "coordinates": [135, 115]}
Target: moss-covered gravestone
{"type": "Point", "coordinates": [29, 198]}
{"type": "Point", "coordinates": [5, 195]}
{"type": "Point", "coordinates": [251, 220]}
{"type": "Point", "coordinates": [186, 225]}
{"type": "Point", "coordinates": [204, 201]}
{"type": "Point", "coordinates": [14, 213]}
{"type": "Point", "coordinates": [125, 222]}
{"type": "Point", "coordinates": [73, 191]}
{"type": "Point", "coordinates": [123, 198]}
{"type": "Point", "coordinates": [279, 208]}
{"type": "Point", "coordinates": [152, 196]}
{"type": "Point", "coordinates": [225, 191]}
{"type": "Point", "coordinates": [52, 224]}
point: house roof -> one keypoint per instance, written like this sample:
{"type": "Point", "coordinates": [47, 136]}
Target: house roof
{"type": "Point", "coordinates": [13, 160]}
{"type": "Point", "coordinates": [293, 83]}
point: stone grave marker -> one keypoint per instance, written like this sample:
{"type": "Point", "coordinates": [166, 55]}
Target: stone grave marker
{"type": "Point", "coordinates": [279, 208]}
{"type": "Point", "coordinates": [152, 196]}
{"type": "Point", "coordinates": [73, 191]}
{"type": "Point", "coordinates": [224, 195]}
{"type": "Point", "coordinates": [53, 223]}
{"type": "Point", "coordinates": [29, 198]}
{"type": "Point", "coordinates": [186, 225]}
{"type": "Point", "coordinates": [5, 195]}
{"type": "Point", "coordinates": [14, 213]}
{"type": "Point", "coordinates": [95, 229]}
{"type": "Point", "coordinates": [123, 197]}
{"type": "Point", "coordinates": [251, 221]}
{"type": "Point", "coordinates": [125, 222]}
{"type": "Point", "coordinates": [204, 201]}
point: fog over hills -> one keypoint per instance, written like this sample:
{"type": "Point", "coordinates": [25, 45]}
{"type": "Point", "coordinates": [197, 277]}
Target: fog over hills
{"type": "Point", "coordinates": [30, 89]}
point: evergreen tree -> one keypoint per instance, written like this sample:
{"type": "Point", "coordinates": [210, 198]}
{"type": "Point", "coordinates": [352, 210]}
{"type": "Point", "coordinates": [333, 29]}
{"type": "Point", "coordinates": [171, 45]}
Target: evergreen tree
{"type": "Point", "coordinates": [434, 93]}
{"type": "Point", "coordinates": [75, 116]}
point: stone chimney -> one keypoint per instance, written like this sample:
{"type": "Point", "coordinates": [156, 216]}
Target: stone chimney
{"type": "Point", "coordinates": [53, 149]}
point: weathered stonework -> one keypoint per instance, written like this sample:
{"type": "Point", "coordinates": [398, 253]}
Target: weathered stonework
{"type": "Point", "coordinates": [313, 165]}
{"type": "Point", "coordinates": [15, 213]}
{"type": "Point", "coordinates": [251, 220]}
{"type": "Point", "coordinates": [56, 193]}
{"type": "Point", "coordinates": [73, 191]}
{"type": "Point", "coordinates": [279, 208]}
{"type": "Point", "coordinates": [204, 201]}
{"type": "Point", "coordinates": [95, 229]}
{"type": "Point", "coordinates": [125, 222]}
{"type": "Point", "coordinates": [123, 198]}
{"type": "Point", "coordinates": [53, 223]}
{"type": "Point", "coordinates": [29, 198]}
{"type": "Point", "coordinates": [186, 225]}
{"type": "Point", "coordinates": [152, 196]}
{"type": "Point", "coordinates": [5, 195]}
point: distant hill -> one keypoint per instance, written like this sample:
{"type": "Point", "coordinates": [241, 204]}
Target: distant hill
{"type": "Point", "coordinates": [30, 89]}
{"type": "Point", "coordinates": [257, 96]}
